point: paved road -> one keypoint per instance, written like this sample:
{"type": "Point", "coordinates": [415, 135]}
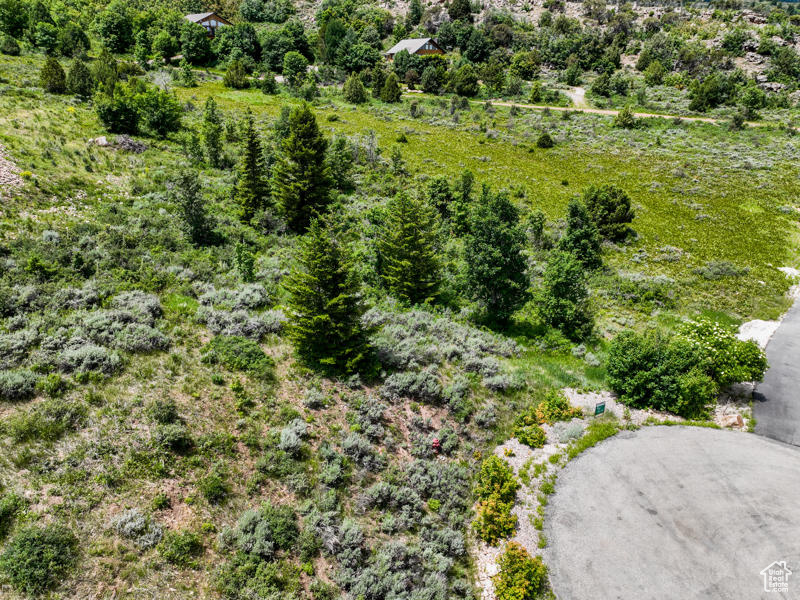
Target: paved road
{"type": "Point", "coordinates": [776, 404]}
{"type": "Point", "coordinates": [675, 512]}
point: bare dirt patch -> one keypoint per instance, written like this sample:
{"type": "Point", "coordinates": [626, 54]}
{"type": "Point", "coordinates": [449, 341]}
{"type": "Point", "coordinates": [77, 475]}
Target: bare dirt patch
{"type": "Point", "coordinates": [9, 172]}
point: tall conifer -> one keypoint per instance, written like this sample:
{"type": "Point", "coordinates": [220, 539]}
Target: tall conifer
{"type": "Point", "coordinates": [252, 190]}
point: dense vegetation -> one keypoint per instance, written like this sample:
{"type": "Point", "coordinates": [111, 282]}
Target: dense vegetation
{"type": "Point", "coordinates": [269, 301]}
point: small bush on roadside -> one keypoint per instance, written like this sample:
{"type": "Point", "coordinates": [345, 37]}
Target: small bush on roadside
{"type": "Point", "coordinates": [494, 521]}
{"type": "Point", "coordinates": [181, 548]}
{"type": "Point", "coordinates": [521, 576]}
{"type": "Point", "coordinates": [555, 407]}
{"type": "Point", "coordinates": [531, 435]}
{"type": "Point", "coordinates": [496, 479]}
{"type": "Point", "coordinates": [38, 559]}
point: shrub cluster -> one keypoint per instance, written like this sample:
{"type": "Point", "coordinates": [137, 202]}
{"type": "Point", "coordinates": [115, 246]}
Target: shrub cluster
{"type": "Point", "coordinates": [37, 559]}
{"type": "Point", "coordinates": [496, 490]}
{"type": "Point", "coordinates": [521, 576]}
{"type": "Point", "coordinates": [132, 524]}
{"type": "Point", "coordinates": [682, 373]}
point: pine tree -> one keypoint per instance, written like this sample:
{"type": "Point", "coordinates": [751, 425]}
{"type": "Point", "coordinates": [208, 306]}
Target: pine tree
{"type": "Point", "coordinates": [440, 195]}
{"type": "Point", "coordinates": [563, 299]}
{"type": "Point", "coordinates": [187, 194]}
{"type": "Point", "coordinates": [414, 14]}
{"type": "Point", "coordinates": [301, 180]}
{"type": "Point", "coordinates": [390, 92]}
{"type": "Point", "coordinates": [581, 237]}
{"type": "Point", "coordinates": [252, 191]}
{"type": "Point", "coordinates": [212, 133]}
{"type": "Point", "coordinates": [105, 72]}
{"type": "Point", "coordinates": [79, 80]}
{"type": "Point", "coordinates": [407, 249]}
{"type": "Point", "coordinates": [324, 305]}
{"type": "Point", "coordinates": [462, 202]}
{"type": "Point", "coordinates": [354, 90]}
{"type": "Point", "coordinates": [52, 77]}
{"type": "Point", "coordinates": [610, 208]}
{"type": "Point", "coordinates": [496, 268]}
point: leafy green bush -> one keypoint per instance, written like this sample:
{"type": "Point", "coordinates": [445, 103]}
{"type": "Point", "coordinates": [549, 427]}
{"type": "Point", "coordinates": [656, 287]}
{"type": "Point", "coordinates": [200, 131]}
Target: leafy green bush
{"type": "Point", "coordinates": [47, 422]}
{"type": "Point", "coordinates": [11, 505]}
{"type": "Point", "coordinates": [494, 521]}
{"type": "Point", "coordinates": [610, 208]}
{"type": "Point", "coordinates": [117, 113]}
{"type": "Point", "coordinates": [214, 487]}
{"type": "Point", "coordinates": [17, 385]}
{"type": "Point", "coordinates": [181, 548]}
{"type": "Point", "coordinates": [39, 558]}
{"type": "Point", "coordinates": [9, 46]}
{"type": "Point", "coordinates": [52, 77]}
{"type": "Point", "coordinates": [555, 407]}
{"type": "Point", "coordinates": [354, 90]}
{"type": "Point", "coordinates": [521, 576]}
{"type": "Point", "coordinates": [496, 479]}
{"type": "Point", "coordinates": [545, 140]}
{"type": "Point", "coordinates": [236, 76]}
{"type": "Point", "coordinates": [530, 435]}
{"type": "Point", "coordinates": [652, 371]}
{"type": "Point", "coordinates": [728, 360]}
{"type": "Point", "coordinates": [239, 354]}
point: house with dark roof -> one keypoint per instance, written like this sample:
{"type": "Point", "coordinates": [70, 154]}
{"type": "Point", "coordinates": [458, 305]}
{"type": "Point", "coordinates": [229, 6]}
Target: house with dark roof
{"type": "Point", "coordinates": [419, 46]}
{"type": "Point", "coordinates": [210, 20]}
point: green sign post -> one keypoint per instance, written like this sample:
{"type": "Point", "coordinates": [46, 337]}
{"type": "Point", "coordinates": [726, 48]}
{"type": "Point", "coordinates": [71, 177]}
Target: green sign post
{"type": "Point", "coordinates": [599, 408]}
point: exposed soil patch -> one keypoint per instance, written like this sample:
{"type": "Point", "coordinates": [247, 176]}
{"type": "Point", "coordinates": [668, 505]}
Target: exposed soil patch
{"type": "Point", "coordinates": [9, 172]}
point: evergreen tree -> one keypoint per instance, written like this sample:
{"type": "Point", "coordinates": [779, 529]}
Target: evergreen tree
{"type": "Point", "coordinates": [496, 268]}
{"type": "Point", "coordinates": [252, 191]}
{"type": "Point", "coordinates": [460, 9]}
{"type": "Point", "coordinates": [462, 203]}
{"type": "Point", "coordinates": [390, 92]}
{"type": "Point", "coordinates": [324, 305]}
{"type": "Point", "coordinates": [440, 195]}
{"type": "Point", "coordinates": [581, 237]}
{"type": "Point", "coordinates": [79, 80]}
{"type": "Point", "coordinates": [354, 91]}
{"type": "Point", "coordinates": [610, 208]}
{"type": "Point", "coordinates": [212, 133]}
{"type": "Point", "coordinates": [301, 177]}
{"type": "Point", "coordinates": [52, 77]}
{"type": "Point", "coordinates": [186, 193]}
{"type": "Point", "coordinates": [105, 72]}
{"type": "Point", "coordinates": [236, 76]}
{"type": "Point", "coordinates": [414, 15]}
{"type": "Point", "coordinates": [408, 248]}
{"type": "Point", "coordinates": [563, 298]}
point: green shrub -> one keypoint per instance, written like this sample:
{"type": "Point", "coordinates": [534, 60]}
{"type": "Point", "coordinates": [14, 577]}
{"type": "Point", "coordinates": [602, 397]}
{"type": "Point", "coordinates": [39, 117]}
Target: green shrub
{"type": "Point", "coordinates": [496, 479]}
{"type": "Point", "coordinates": [727, 360]}
{"type": "Point", "coordinates": [9, 46]}
{"type": "Point", "coordinates": [555, 407]}
{"type": "Point", "coordinates": [264, 531]}
{"type": "Point", "coordinates": [47, 422]}
{"type": "Point", "coordinates": [652, 371]}
{"type": "Point", "coordinates": [214, 487]}
{"type": "Point", "coordinates": [174, 437]}
{"type": "Point", "coordinates": [52, 77]}
{"type": "Point", "coordinates": [54, 385]}
{"type": "Point", "coordinates": [521, 576]}
{"type": "Point", "coordinates": [354, 90]}
{"type": "Point", "coordinates": [181, 548]}
{"type": "Point", "coordinates": [530, 435]}
{"type": "Point", "coordinates": [17, 385]}
{"type": "Point", "coordinates": [610, 209]}
{"type": "Point", "coordinates": [159, 111]}
{"type": "Point", "coordinates": [117, 113]}
{"type": "Point", "coordinates": [390, 92]}
{"type": "Point", "coordinates": [11, 505]}
{"type": "Point", "coordinates": [494, 521]}
{"type": "Point", "coordinates": [239, 354]}
{"type": "Point", "coordinates": [236, 76]}
{"type": "Point", "coordinates": [545, 140]}
{"type": "Point", "coordinates": [625, 118]}
{"type": "Point", "coordinates": [39, 558]}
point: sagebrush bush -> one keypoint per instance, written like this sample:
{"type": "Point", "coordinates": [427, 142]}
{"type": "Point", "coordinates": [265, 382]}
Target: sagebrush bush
{"type": "Point", "coordinates": [358, 448]}
{"type": "Point", "coordinates": [132, 524]}
{"type": "Point", "coordinates": [16, 386]}
{"type": "Point", "coordinates": [37, 559]}
{"type": "Point", "coordinates": [47, 421]}
{"type": "Point", "coordinates": [174, 437]}
{"type": "Point", "coordinates": [263, 532]}
{"type": "Point", "coordinates": [89, 358]}
{"type": "Point", "coordinates": [422, 385]}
